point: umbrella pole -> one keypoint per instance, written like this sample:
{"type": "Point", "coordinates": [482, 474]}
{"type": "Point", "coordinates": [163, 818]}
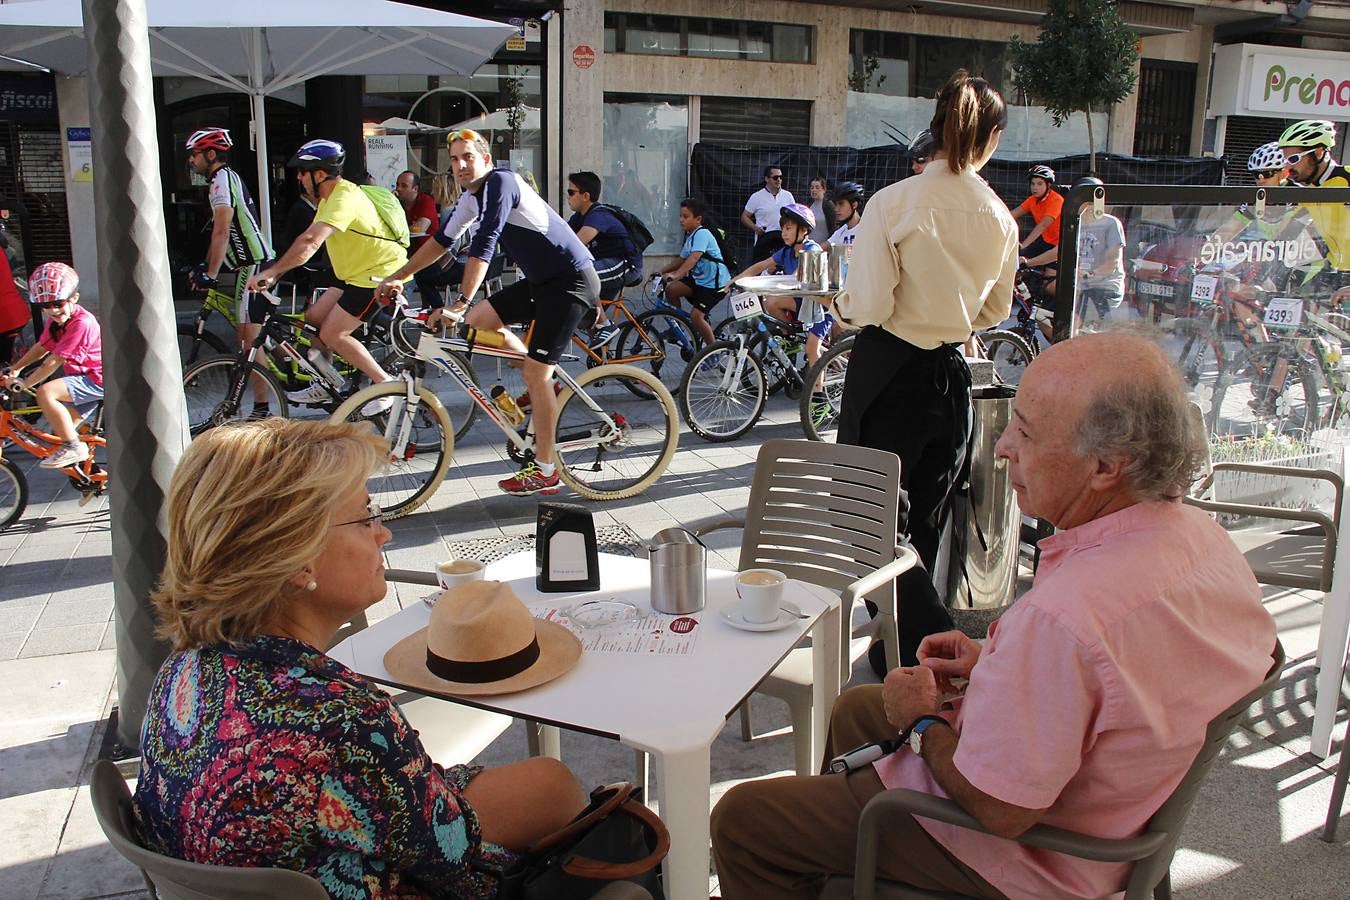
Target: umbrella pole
{"type": "Point", "coordinates": [145, 406]}
{"type": "Point", "coordinates": [259, 101]}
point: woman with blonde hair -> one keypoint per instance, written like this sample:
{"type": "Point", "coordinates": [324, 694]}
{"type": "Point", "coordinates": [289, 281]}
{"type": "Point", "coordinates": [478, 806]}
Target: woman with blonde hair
{"type": "Point", "coordinates": [260, 750]}
{"type": "Point", "coordinates": [933, 261]}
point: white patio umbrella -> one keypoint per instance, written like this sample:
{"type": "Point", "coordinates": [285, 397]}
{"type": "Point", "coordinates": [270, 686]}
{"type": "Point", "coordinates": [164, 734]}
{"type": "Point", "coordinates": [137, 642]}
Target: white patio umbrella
{"type": "Point", "coordinates": [260, 47]}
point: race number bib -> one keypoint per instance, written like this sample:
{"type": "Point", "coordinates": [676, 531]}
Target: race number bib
{"type": "Point", "coordinates": [746, 305]}
{"type": "Point", "coordinates": [1284, 312]}
{"type": "Point", "coordinates": [1203, 288]}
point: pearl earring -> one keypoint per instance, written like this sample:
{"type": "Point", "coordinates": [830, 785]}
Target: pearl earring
{"type": "Point", "coordinates": [312, 586]}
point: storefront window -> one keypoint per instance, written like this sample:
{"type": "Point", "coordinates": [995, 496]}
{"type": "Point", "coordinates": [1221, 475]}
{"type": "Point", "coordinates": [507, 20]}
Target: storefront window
{"type": "Point", "coordinates": [715, 38]}
{"type": "Point", "coordinates": [646, 165]}
{"type": "Point", "coordinates": [500, 100]}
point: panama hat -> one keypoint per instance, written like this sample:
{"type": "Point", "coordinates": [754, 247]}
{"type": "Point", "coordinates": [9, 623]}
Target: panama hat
{"type": "Point", "coordinates": [482, 640]}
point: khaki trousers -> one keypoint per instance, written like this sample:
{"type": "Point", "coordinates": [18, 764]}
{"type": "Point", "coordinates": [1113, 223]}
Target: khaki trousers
{"type": "Point", "coordinates": [781, 837]}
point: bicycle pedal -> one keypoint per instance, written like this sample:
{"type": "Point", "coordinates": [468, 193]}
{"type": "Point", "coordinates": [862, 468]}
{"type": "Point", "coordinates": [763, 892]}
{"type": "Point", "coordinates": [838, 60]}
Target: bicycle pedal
{"type": "Point", "coordinates": [86, 497]}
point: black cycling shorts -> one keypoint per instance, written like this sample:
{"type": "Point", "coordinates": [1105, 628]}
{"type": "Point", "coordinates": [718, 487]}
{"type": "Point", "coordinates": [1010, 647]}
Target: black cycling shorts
{"type": "Point", "coordinates": [703, 298]}
{"type": "Point", "coordinates": [556, 307]}
{"type": "Point", "coordinates": [250, 307]}
{"type": "Point", "coordinates": [359, 302]}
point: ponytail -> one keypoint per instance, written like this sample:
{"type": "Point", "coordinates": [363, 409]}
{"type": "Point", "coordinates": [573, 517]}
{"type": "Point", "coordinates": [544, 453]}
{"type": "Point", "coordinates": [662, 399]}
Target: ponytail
{"type": "Point", "coordinates": [968, 113]}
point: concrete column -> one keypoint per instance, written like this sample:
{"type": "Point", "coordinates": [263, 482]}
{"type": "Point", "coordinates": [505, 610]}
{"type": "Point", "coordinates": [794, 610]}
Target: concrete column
{"type": "Point", "coordinates": [1122, 120]}
{"type": "Point", "coordinates": [145, 407]}
{"type": "Point", "coordinates": [583, 89]}
{"type": "Point", "coordinates": [72, 100]}
{"type": "Point", "coordinates": [829, 109]}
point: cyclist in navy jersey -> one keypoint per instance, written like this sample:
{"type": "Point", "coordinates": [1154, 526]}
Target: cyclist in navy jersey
{"type": "Point", "coordinates": [558, 289]}
{"type": "Point", "coordinates": [618, 262]}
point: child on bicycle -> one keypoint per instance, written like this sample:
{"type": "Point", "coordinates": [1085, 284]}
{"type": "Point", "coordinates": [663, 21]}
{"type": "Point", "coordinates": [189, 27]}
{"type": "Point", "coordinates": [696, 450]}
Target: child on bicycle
{"type": "Point", "coordinates": [700, 275]}
{"type": "Point", "coordinates": [796, 221]}
{"type": "Point", "coordinates": [72, 341]}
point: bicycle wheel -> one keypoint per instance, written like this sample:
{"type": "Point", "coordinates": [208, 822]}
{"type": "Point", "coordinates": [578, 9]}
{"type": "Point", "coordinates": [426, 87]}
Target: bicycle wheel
{"type": "Point", "coordinates": [669, 338]}
{"type": "Point", "coordinates": [209, 389]}
{"type": "Point", "coordinates": [193, 347]}
{"type": "Point", "coordinates": [13, 492]}
{"type": "Point", "coordinates": [829, 370]}
{"type": "Point", "coordinates": [621, 447]}
{"type": "Point", "coordinates": [1010, 354]}
{"type": "Point", "coordinates": [730, 327]}
{"type": "Point", "coordinates": [421, 443]}
{"type": "Point", "coordinates": [457, 402]}
{"type": "Point", "coordinates": [1269, 394]}
{"type": "Point", "coordinates": [1200, 357]}
{"type": "Point", "coordinates": [723, 392]}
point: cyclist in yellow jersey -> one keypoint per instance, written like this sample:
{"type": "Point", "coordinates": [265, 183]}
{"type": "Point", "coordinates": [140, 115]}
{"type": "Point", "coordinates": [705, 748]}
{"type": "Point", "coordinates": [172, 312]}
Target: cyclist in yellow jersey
{"type": "Point", "coordinates": [1307, 150]}
{"type": "Point", "coordinates": [362, 249]}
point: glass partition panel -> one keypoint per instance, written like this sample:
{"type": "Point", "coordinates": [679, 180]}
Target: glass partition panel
{"type": "Point", "coordinates": [1249, 296]}
{"type": "Point", "coordinates": [646, 141]}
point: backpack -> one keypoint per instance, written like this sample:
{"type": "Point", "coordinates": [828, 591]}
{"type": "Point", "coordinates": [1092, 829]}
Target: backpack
{"type": "Point", "coordinates": [391, 213]}
{"type": "Point", "coordinates": [726, 259]}
{"type": "Point", "coordinates": [638, 232]}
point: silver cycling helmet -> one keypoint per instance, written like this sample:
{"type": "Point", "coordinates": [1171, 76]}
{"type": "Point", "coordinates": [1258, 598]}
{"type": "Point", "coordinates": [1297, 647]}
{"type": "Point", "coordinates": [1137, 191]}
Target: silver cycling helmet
{"type": "Point", "coordinates": [1267, 158]}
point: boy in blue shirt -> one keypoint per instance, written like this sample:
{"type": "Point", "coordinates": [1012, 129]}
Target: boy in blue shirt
{"type": "Point", "coordinates": [617, 260]}
{"type": "Point", "coordinates": [700, 275]}
{"type": "Point", "coordinates": [796, 222]}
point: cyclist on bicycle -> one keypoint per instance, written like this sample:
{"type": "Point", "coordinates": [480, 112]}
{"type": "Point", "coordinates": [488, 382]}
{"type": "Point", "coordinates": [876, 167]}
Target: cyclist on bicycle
{"type": "Point", "coordinates": [238, 245]}
{"type": "Point", "coordinates": [848, 198]}
{"type": "Point", "coordinates": [352, 229]}
{"type": "Point", "coordinates": [618, 262]}
{"type": "Point", "coordinates": [1307, 150]}
{"type": "Point", "coordinates": [1101, 266]}
{"type": "Point", "coordinates": [795, 221]}
{"type": "Point", "coordinates": [71, 341]}
{"type": "Point", "coordinates": [559, 289]}
{"type": "Point", "coordinates": [1046, 206]}
{"type": "Point", "coordinates": [699, 274]}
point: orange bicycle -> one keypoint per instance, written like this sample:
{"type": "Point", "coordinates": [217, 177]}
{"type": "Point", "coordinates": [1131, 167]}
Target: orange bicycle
{"type": "Point", "coordinates": [17, 429]}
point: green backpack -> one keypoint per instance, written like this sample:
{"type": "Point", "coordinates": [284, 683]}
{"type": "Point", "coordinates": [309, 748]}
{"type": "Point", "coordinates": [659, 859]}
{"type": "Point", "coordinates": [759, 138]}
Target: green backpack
{"type": "Point", "coordinates": [391, 214]}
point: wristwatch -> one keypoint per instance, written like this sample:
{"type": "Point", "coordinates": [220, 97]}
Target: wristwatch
{"type": "Point", "coordinates": [914, 736]}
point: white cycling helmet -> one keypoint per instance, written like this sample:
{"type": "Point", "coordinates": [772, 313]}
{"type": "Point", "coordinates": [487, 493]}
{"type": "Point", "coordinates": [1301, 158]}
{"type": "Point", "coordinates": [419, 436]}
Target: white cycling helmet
{"type": "Point", "coordinates": [1267, 158]}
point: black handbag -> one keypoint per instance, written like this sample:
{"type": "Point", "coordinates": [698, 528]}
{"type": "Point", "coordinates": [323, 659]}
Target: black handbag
{"type": "Point", "coordinates": [615, 838]}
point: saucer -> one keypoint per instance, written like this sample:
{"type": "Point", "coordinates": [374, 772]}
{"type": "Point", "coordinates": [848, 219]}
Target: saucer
{"type": "Point", "coordinates": [788, 615]}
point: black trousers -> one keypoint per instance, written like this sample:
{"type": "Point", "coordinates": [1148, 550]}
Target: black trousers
{"type": "Point", "coordinates": [769, 243]}
{"type": "Point", "coordinates": [916, 404]}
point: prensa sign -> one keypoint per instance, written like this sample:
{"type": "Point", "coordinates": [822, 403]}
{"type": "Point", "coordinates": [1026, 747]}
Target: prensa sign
{"type": "Point", "coordinates": [1286, 83]}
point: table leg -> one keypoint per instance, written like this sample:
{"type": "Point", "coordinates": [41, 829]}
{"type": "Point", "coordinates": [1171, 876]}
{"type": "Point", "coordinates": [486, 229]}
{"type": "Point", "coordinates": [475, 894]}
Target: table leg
{"type": "Point", "coordinates": [825, 677]}
{"type": "Point", "coordinates": [543, 740]}
{"type": "Point", "coordinates": [1331, 651]}
{"type": "Point", "coordinates": [684, 786]}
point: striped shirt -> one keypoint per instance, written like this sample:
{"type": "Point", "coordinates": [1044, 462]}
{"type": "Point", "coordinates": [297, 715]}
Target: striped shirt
{"type": "Point", "coordinates": [247, 246]}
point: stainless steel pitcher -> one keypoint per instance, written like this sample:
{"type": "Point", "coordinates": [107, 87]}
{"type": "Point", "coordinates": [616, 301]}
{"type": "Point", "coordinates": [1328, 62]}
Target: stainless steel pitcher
{"type": "Point", "coordinates": [838, 265]}
{"type": "Point", "coordinates": [811, 272]}
{"type": "Point", "coordinates": [679, 564]}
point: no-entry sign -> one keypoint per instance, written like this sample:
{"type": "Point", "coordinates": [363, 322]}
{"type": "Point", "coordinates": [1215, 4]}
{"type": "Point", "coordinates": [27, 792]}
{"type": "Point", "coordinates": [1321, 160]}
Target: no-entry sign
{"type": "Point", "coordinates": [583, 56]}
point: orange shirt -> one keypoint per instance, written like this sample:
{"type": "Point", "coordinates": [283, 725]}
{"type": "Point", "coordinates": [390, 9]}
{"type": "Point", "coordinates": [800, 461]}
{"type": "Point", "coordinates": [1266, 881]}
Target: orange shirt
{"type": "Point", "coordinates": [1052, 204]}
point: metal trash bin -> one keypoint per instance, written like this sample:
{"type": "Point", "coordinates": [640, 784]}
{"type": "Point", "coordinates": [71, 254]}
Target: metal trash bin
{"type": "Point", "coordinates": [986, 522]}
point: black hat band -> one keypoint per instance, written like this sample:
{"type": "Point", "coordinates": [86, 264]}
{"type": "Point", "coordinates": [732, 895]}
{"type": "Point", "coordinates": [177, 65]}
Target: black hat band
{"type": "Point", "coordinates": [482, 671]}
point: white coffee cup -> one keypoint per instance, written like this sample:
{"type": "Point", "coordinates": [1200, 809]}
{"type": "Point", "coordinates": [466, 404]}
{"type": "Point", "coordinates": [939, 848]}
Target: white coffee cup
{"type": "Point", "coordinates": [458, 571]}
{"type": "Point", "coordinates": [761, 593]}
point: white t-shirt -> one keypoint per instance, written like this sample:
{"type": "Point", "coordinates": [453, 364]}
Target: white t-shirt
{"type": "Point", "coordinates": [844, 234]}
{"type": "Point", "coordinates": [765, 207]}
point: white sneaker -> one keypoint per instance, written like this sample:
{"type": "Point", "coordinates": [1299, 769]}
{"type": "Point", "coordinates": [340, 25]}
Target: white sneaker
{"type": "Point", "coordinates": [68, 455]}
{"type": "Point", "coordinates": [378, 407]}
{"type": "Point", "coordinates": [315, 393]}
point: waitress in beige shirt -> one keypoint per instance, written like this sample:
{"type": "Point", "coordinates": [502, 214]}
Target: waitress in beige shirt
{"type": "Point", "coordinates": [933, 261]}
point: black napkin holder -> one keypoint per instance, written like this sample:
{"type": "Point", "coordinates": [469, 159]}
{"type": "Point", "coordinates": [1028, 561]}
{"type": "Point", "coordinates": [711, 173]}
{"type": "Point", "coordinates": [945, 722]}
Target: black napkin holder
{"type": "Point", "coordinates": [565, 554]}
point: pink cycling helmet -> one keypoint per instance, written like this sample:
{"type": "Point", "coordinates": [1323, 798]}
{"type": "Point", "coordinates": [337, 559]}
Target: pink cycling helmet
{"type": "Point", "coordinates": [52, 283]}
{"type": "Point", "coordinates": [799, 212]}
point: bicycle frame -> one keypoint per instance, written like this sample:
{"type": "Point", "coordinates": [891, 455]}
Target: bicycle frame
{"type": "Point", "coordinates": [42, 444]}
{"type": "Point", "coordinates": [431, 349]}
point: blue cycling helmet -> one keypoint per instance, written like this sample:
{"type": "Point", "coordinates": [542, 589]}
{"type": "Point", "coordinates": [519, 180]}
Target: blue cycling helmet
{"type": "Point", "coordinates": [802, 214]}
{"type": "Point", "coordinates": [321, 155]}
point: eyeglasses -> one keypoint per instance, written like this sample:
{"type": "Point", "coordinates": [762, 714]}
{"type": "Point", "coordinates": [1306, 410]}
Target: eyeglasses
{"type": "Point", "coordinates": [376, 514]}
{"type": "Point", "coordinates": [1273, 173]}
{"type": "Point", "coordinates": [1293, 158]}
{"type": "Point", "coordinates": [572, 192]}
{"type": "Point", "coordinates": [464, 134]}
{"type": "Point", "coordinates": [921, 159]}
{"type": "Point", "coordinates": [52, 304]}
{"type": "Point", "coordinates": [778, 177]}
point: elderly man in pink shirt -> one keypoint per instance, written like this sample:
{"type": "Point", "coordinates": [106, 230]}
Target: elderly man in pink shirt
{"type": "Point", "coordinates": [1090, 698]}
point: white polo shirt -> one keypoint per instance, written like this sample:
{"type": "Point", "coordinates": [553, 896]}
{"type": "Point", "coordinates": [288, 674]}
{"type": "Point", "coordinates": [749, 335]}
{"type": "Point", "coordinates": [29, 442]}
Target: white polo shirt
{"type": "Point", "coordinates": [765, 206]}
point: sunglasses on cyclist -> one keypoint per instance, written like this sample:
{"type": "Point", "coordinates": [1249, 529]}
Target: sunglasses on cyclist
{"type": "Point", "coordinates": [464, 134]}
{"type": "Point", "coordinates": [572, 192]}
{"type": "Point", "coordinates": [921, 159]}
{"type": "Point", "coordinates": [376, 514]}
{"type": "Point", "coordinates": [1273, 173]}
{"type": "Point", "coordinates": [778, 177]}
{"type": "Point", "coordinates": [1293, 158]}
{"type": "Point", "coordinates": [52, 304]}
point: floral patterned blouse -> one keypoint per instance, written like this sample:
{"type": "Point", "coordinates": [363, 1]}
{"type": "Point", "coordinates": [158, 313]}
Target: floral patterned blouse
{"type": "Point", "coordinates": [272, 754]}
